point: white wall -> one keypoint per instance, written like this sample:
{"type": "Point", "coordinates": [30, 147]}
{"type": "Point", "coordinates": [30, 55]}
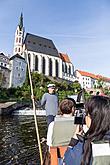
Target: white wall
{"type": "Point", "coordinates": [18, 72]}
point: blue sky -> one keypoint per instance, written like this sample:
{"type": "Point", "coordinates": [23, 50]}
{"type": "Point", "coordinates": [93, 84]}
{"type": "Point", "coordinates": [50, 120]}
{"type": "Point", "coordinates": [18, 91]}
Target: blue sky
{"type": "Point", "coordinates": [80, 28]}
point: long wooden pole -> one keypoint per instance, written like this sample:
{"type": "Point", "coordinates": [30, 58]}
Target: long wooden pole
{"type": "Point", "coordinates": [34, 109]}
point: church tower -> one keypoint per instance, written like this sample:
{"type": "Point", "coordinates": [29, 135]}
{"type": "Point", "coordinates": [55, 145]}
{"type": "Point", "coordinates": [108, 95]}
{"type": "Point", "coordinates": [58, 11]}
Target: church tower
{"type": "Point", "coordinates": [19, 37]}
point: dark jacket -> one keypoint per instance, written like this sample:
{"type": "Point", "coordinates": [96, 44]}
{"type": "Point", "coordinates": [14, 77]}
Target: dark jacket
{"type": "Point", "coordinates": [100, 152]}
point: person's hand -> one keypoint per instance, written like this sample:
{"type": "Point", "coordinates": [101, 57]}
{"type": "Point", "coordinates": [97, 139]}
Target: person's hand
{"type": "Point", "coordinates": [32, 97]}
{"type": "Point", "coordinates": [79, 131]}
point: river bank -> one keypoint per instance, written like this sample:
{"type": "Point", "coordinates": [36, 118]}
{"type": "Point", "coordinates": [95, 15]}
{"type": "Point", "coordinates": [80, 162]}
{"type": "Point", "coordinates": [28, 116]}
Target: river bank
{"type": "Point", "coordinates": [8, 107]}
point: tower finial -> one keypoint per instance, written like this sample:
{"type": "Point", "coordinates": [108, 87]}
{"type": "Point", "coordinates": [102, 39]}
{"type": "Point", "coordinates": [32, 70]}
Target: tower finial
{"type": "Point", "coordinates": [21, 21]}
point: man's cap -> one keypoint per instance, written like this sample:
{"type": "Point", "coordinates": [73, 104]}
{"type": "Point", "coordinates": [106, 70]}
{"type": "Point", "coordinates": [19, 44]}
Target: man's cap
{"type": "Point", "coordinates": [51, 86]}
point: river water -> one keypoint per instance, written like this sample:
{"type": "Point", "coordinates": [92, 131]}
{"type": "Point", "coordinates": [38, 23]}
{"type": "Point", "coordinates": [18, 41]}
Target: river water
{"type": "Point", "coordinates": [18, 144]}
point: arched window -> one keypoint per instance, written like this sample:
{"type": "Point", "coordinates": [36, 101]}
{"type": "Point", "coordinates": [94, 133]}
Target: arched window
{"type": "Point", "coordinates": [19, 50]}
{"type": "Point", "coordinates": [16, 39]}
{"type": "Point", "coordinates": [15, 49]}
{"type": "Point", "coordinates": [65, 68]}
{"type": "Point", "coordinates": [62, 67]}
{"type": "Point", "coordinates": [69, 69]}
{"type": "Point", "coordinates": [19, 40]}
{"type": "Point", "coordinates": [43, 65]}
{"type": "Point", "coordinates": [50, 67]}
{"type": "Point", "coordinates": [36, 63]}
{"type": "Point", "coordinates": [57, 68]}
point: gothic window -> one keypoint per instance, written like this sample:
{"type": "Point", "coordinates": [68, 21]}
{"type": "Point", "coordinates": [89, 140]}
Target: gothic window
{"type": "Point", "coordinates": [50, 67]}
{"type": "Point", "coordinates": [19, 40]}
{"type": "Point", "coordinates": [69, 69]}
{"type": "Point", "coordinates": [19, 50]}
{"type": "Point", "coordinates": [57, 68]}
{"type": "Point", "coordinates": [43, 65]}
{"type": "Point", "coordinates": [62, 67]}
{"type": "Point", "coordinates": [15, 49]}
{"type": "Point", "coordinates": [36, 63]}
{"type": "Point", "coordinates": [16, 40]}
{"type": "Point", "coordinates": [65, 68]}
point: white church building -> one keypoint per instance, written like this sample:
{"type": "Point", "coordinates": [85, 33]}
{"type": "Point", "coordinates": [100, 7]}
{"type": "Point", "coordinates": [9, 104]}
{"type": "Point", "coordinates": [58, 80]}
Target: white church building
{"type": "Point", "coordinates": [43, 55]}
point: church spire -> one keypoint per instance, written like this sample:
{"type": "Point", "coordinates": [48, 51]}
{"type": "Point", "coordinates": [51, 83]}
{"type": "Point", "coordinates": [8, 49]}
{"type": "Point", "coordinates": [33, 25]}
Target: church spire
{"type": "Point", "coordinates": [21, 21]}
{"type": "Point", "coordinates": [19, 37]}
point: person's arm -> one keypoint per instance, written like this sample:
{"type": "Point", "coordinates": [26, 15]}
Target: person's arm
{"type": "Point", "coordinates": [43, 100]}
{"type": "Point", "coordinates": [49, 133]}
{"type": "Point", "coordinates": [79, 131]}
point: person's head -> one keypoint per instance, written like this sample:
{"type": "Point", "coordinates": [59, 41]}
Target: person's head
{"type": "Point", "coordinates": [98, 115]}
{"type": "Point", "coordinates": [98, 120]}
{"type": "Point", "coordinates": [67, 106]}
{"type": "Point", "coordinates": [51, 88]}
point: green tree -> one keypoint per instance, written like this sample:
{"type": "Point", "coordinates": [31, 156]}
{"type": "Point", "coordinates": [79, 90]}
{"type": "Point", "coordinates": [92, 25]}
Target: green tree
{"type": "Point", "coordinates": [100, 83]}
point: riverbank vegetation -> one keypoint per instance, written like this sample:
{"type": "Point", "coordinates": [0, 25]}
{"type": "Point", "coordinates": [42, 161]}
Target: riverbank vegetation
{"type": "Point", "coordinates": [40, 83]}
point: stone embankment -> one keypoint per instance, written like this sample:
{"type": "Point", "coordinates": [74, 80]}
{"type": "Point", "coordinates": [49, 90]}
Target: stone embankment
{"type": "Point", "coordinates": [8, 107]}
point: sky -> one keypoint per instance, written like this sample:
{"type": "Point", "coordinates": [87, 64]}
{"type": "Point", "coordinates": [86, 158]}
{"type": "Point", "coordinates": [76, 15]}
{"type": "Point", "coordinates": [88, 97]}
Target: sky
{"type": "Point", "coordinates": [80, 28]}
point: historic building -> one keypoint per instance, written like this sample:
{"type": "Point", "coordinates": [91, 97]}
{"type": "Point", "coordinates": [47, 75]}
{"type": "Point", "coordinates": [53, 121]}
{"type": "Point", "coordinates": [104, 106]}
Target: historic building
{"type": "Point", "coordinates": [90, 80]}
{"type": "Point", "coordinates": [4, 60]}
{"type": "Point", "coordinates": [18, 70]}
{"type": "Point", "coordinates": [43, 54]}
{"type": "Point", "coordinates": [4, 71]}
{"type": "Point", "coordinates": [19, 36]}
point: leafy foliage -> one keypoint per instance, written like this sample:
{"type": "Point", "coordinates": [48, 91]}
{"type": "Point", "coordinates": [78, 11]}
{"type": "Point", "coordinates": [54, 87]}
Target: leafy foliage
{"type": "Point", "coordinates": [40, 83]}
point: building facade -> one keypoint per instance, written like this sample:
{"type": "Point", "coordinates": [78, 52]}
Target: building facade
{"type": "Point", "coordinates": [18, 70]}
{"type": "Point", "coordinates": [89, 80]}
{"type": "Point", "coordinates": [4, 61]}
{"type": "Point", "coordinates": [19, 36]}
{"type": "Point", "coordinates": [43, 55]}
{"type": "Point", "coordinates": [67, 67]}
{"type": "Point", "coordinates": [4, 70]}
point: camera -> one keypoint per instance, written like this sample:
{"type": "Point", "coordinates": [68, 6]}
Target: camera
{"type": "Point", "coordinates": [79, 116]}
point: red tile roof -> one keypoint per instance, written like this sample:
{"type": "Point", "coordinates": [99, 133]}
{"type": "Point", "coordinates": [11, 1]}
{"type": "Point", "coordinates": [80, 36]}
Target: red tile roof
{"type": "Point", "coordinates": [64, 57]}
{"type": "Point", "coordinates": [83, 73]}
{"type": "Point", "coordinates": [103, 78]}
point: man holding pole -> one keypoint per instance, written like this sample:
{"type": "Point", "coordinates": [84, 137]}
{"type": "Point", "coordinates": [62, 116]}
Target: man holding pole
{"type": "Point", "coordinates": [50, 100]}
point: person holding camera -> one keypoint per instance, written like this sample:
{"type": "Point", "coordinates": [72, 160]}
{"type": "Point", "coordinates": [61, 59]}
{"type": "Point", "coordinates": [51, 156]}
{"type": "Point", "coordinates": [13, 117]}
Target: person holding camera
{"type": "Point", "coordinates": [93, 147]}
{"type": "Point", "coordinates": [50, 100]}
